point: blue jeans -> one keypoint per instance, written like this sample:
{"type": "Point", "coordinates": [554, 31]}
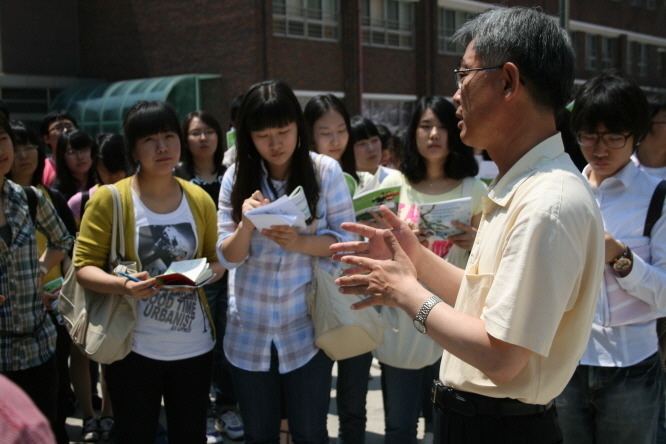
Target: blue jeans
{"type": "Point", "coordinates": [403, 395]}
{"type": "Point", "coordinates": [307, 392]}
{"type": "Point", "coordinates": [351, 393]}
{"type": "Point", "coordinates": [612, 404]}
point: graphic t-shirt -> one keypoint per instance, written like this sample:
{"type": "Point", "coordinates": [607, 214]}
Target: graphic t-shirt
{"type": "Point", "coordinates": [172, 324]}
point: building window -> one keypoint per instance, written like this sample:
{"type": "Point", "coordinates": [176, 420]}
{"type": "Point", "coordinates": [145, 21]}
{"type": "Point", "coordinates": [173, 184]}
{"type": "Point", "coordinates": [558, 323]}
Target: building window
{"type": "Point", "coordinates": [310, 19]}
{"type": "Point", "coordinates": [630, 57]}
{"type": "Point", "coordinates": [387, 23]}
{"type": "Point", "coordinates": [642, 62]}
{"type": "Point", "coordinates": [651, 5]}
{"type": "Point", "coordinates": [449, 22]}
{"type": "Point", "coordinates": [661, 63]}
{"type": "Point", "coordinates": [607, 53]}
{"type": "Point", "coordinates": [635, 2]}
{"type": "Point", "coordinates": [591, 45]}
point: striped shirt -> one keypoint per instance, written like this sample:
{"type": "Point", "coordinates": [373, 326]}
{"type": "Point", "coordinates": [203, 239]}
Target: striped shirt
{"type": "Point", "coordinates": [23, 313]}
{"type": "Point", "coordinates": [267, 291]}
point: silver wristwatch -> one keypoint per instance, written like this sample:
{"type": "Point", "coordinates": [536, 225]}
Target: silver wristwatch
{"type": "Point", "coordinates": [419, 320]}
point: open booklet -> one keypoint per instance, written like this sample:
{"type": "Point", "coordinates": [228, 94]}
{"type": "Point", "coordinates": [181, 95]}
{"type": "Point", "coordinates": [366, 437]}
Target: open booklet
{"type": "Point", "coordinates": [190, 273]}
{"type": "Point", "coordinates": [435, 219]}
{"type": "Point", "coordinates": [289, 210]}
{"type": "Point", "coordinates": [368, 201]}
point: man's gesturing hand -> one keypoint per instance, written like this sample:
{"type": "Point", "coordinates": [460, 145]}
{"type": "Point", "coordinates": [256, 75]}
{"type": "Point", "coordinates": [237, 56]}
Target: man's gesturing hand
{"type": "Point", "coordinates": [387, 281]}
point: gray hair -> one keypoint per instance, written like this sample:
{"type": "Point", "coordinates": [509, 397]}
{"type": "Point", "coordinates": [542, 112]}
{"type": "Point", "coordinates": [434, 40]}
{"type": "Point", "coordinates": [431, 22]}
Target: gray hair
{"type": "Point", "coordinates": [534, 41]}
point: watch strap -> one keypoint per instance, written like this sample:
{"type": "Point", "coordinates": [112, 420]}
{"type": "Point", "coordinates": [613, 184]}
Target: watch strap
{"type": "Point", "coordinates": [423, 313]}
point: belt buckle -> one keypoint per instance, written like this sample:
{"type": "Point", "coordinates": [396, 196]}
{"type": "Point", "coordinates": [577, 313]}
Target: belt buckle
{"type": "Point", "coordinates": [436, 386]}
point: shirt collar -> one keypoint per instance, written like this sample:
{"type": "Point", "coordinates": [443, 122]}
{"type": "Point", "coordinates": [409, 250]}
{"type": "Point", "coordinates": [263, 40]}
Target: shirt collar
{"type": "Point", "coordinates": [622, 178]}
{"type": "Point", "coordinates": [503, 190]}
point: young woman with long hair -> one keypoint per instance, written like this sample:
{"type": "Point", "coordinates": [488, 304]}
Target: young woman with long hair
{"type": "Point", "coordinates": [74, 163]}
{"type": "Point", "coordinates": [270, 336]}
{"type": "Point", "coordinates": [436, 166]}
{"type": "Point", "coordinates": [328, 122]}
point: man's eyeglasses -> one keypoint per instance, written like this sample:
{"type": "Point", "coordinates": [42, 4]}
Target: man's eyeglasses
{"type": "Point", "coordinates": [83, 152]}
{"type": "Point", "coordinates": [613, 141]}
{"type": "Point", "coordinates": [25, 149]}
{"type": "Point", "coordinates": [61, 127]}
{"type": "Point", "coordinates": [461, 73]}
{"type": "Point", "coordinates": [208, 133]}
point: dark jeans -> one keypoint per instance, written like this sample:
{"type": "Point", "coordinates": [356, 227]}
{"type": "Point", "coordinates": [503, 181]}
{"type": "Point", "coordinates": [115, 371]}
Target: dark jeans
{"type": "Point", "coordinates": [454, 428]}
{"type": "Point", "coordinates": [612, 404]}
{"type": "Point", "coordinates": [223, 387]}
{"type": "Point", "coordinates": [40, 383]}
{"type": "Point", "coordinates": [307, 392]}
{"type": "Point", "coordinates": [136, 386]}
{"type": "Point", "coordinates": [351, 393]}
{"type": "Point", "coordinates": [403, 391]}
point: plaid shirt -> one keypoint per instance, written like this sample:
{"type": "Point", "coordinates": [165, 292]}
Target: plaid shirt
{"type": "Point", "coordinates": [267, 291]}
{"type": "Point", "coordinates": [23, 313]}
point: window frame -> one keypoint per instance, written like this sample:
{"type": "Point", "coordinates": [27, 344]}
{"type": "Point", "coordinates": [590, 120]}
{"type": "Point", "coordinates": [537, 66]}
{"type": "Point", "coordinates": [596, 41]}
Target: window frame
{"type": "Point", "coordinates": [307, 19]}
{"type": "Point", "coordinates": [379, 29]}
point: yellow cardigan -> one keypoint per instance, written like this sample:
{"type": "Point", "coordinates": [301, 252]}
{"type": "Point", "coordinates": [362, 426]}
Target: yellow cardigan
{"type": "Point", "coordinates": [94, 240]}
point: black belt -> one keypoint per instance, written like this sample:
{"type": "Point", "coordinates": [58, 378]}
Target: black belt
{"type": "Point", "coordinates": [471, 404]}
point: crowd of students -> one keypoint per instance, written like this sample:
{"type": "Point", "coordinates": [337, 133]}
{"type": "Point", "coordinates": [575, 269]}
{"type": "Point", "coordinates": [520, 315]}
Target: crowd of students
{"type": "Point", "coordinates": [249, 349]}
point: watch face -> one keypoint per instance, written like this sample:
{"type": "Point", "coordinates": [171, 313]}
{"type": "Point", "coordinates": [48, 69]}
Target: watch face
{"type": "Point", "coordinates": [622, 264]}
{"type": "Point", "coordinates": [420, 327]}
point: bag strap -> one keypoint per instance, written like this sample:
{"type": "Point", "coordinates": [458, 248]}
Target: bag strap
{"type": "Point", "coordinates": [85, 196]}
{"type": "Point", "coordinates": [655, 208]}
{"type": "Point", "coordinates": [32, 202]}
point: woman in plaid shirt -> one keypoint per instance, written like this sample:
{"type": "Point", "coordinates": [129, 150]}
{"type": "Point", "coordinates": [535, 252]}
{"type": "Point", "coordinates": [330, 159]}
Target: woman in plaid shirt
{"type": "Point", "coordinates": [27, 334]}
{"type": "Point", "coordinates": [269, 339]}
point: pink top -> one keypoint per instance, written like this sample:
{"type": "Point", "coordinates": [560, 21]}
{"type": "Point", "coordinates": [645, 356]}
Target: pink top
{"type": "Point", "coordinates": [49, 173]}
{"type": "Point", "coordinates": [21, 422]}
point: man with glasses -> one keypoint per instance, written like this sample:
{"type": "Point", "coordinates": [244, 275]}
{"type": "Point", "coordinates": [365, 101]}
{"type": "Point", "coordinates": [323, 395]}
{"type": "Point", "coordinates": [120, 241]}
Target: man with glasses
{"type": "Point", "coordinates": [616, 392]}
{"type": "Point", "coordinates": [515, 322]}
{"type": "Point", "coordinates": [53, 125]}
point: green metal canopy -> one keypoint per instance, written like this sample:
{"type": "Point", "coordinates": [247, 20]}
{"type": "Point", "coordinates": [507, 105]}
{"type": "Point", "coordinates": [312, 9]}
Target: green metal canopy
{"type": "Point", "coordinates": [101, 107]}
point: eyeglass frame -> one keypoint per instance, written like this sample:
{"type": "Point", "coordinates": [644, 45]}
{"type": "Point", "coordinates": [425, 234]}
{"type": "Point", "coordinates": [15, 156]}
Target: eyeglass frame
{"type": "Point", "coordinates": [197, 134]}
{"type": "Point", "coordinates": [457, 72]}
{"type": "Point", "coordinates": [62, 127]}
{"type": "Point", "coordinates": [601, 136]}
{"type": "Point", "coordinates": [28, 149]}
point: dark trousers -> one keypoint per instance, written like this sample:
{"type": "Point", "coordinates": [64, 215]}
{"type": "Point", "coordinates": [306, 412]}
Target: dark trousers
{"type": "Point", "coordinates": [65, 394]}
{"type": "Point", "coordinates": [351, 393]}
{"type": "Point", "coordinates": [455, 428]}
{"type": "Point", "coordinates": [41, 384]}
{"type": "Point", "coordinates": [136, 386]}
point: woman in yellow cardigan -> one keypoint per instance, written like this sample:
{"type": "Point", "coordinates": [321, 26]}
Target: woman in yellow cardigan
{"type": "Point", "coordinates": [166, 219]}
